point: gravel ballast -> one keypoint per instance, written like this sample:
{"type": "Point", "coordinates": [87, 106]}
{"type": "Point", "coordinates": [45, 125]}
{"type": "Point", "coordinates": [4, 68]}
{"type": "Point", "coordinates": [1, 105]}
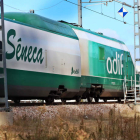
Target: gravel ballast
{"type": "Point", "coordinates": [71, 110]}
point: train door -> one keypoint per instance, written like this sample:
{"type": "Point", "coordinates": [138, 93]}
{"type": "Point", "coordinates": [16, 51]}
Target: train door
{"type": "Point", "coordinates": [125, 64]}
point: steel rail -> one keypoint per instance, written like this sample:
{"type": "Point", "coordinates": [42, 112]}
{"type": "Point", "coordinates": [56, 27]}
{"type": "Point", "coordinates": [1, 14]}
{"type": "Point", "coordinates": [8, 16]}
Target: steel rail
{"type": "Point", "coordinates": [60, 103]}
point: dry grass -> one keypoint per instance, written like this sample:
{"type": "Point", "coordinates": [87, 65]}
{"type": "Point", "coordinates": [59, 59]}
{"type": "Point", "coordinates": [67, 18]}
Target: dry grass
{"type": "Point", "coordinates": [73, 126]}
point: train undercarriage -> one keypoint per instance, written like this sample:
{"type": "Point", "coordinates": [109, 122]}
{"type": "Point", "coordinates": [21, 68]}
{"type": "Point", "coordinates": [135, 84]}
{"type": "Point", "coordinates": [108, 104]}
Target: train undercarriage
{"type": "Point", "coordinates": [96, 92]}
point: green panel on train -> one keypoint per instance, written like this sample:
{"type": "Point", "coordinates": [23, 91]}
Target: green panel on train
{"type": "Point", "coordinates": [105, 61]}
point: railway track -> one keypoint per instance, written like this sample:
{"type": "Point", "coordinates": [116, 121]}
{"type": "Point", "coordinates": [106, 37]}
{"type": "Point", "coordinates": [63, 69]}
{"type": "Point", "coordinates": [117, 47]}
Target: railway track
{"type": "Point", "coordinates": [59, 103]}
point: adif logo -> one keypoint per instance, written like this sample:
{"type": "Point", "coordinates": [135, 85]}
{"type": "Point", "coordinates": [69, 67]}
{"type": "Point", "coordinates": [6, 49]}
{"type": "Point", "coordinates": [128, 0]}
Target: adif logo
{"type": "Point", "coordinates": [116, 62]}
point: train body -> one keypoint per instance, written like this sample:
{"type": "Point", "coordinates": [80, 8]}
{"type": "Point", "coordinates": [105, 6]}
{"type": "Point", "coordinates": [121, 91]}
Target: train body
{"type": "Point", "coordinates": [51, 60]}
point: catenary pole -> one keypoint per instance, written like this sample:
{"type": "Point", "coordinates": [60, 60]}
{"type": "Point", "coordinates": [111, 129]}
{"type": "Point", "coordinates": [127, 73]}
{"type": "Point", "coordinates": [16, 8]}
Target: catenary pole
{"type": "Point", "coordinates": [3, 54]}
{"type": "Point", "coordinates": [80, 13]}
{"type": "Point", "coordinates": [136, 42]}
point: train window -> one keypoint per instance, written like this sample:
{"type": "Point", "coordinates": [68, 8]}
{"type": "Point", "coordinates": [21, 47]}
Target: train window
{"type": "Point", "coordinates": [101, 53]}
{"type": "Point", "coordinates": [45, 58]}
{"type": "Point", "coordinates": [0, 50]}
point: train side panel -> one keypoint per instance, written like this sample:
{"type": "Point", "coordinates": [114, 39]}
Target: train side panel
{"type": "Point", "coordinates": [104, 62]}
{"type": "Point", "coordinates": [38, 62]}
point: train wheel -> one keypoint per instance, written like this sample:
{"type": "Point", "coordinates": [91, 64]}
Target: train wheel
{"type": "Point", "coordinates": [49, 100]}
{"type": "Point", "coordinates": [63, 100]}
{"type": "Point", "coordinates": [78, 99]}
{"type": "Point", "coordinates": [96, 99]}
{"type": "Point", "coordinates": [89, 99]}
{"type": "Point", "coordinates": [16, 101]}
{"type": "Point", "coordinates": [105, 100]}
{"type": "Point", "coordinates": [119, 100]}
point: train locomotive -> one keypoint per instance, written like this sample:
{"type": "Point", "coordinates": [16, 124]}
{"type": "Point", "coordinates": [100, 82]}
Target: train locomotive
{"type": "Point", "coordinates": [49, 60]}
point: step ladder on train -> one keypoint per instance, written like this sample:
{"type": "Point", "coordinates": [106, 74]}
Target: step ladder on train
{"type": "Point", "coordinates": [128, 92]}
{"type": "Point", "coordinates": [3, 74]}
{"type": "Point", "coordinates": [130, 95]}
{"type": "Point", "coordinates": [136, 47]}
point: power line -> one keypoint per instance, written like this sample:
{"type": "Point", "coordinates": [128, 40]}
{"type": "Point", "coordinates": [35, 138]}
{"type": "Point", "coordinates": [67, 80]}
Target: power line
{"type": "Point", "coordinates": [99, 13]}
{"type": "Point", "coordinates": [76, 5]}
{"type": "Point", "coordinates": [13, 8]}
{"type": "Point", "coordinates": [35, 10]}
{"type": "Point", "coordinates": [50, 6]}
{"type": "Point", "coordinates": [124, 3]}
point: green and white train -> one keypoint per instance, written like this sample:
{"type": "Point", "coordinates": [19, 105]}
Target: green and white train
{"type": "Point", "coordinates": [51, 60]}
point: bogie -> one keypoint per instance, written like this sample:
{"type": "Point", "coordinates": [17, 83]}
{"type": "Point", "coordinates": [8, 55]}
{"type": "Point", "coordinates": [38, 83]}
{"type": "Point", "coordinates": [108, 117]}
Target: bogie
{"type": "Point", "coordinates": [89, 99]}
{"type": "Point", "coordinates": [105, 100]}
{"type": "Point", "coordinates": [96, 99]}
{"type": "Point", "coordinates": [119, 100]}
{"type": "Point", "coordinates": [49, 100]}
{"type": "Point", "coordinates": [17, 101]}
{"type": "Point", "coordinates": [63, 101]}
{"type": "Point", "coordinates": [78, 99]}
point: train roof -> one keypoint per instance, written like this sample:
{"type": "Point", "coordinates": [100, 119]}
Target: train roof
{"type": "Point", "coordinates": [72, 25]}
{"type": "Point", "coordinates": [46, 24]}
{"type": "Point", "coordinates": [39, 22]}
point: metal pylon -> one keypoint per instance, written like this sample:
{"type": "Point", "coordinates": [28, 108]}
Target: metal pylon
{"type": "Point", "coordinates": [3, 57]}
{"type": "Point", "coordinates": [136, 44]}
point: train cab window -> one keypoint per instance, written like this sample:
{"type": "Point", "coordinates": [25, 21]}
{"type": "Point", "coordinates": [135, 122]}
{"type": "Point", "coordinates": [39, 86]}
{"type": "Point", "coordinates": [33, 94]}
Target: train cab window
{"type": "Point", "coordinates": [0, 50]}
{"type": "Point", "coordinates": [101, 53]}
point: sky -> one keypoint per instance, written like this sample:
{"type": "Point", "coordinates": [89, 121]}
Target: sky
{"type": "Point", "coordinates": [62, 10]}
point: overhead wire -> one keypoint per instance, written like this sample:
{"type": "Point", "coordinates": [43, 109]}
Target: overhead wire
{"type": "Point", "coordinates": [99, 13]}
{"type": "Point", "coordinates": [50, 6]}
{"type": "Point", "coordinates": [118, 1]}
{"type": "Point", "coordinates": [35, 10]}
{"type": "Point", "coordinates": [82, 7]}
{"type": "Point", "coordinates": [14, 8]}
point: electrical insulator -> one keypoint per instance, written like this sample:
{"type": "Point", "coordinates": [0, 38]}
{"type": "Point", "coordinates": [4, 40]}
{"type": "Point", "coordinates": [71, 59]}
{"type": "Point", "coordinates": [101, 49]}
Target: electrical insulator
{"type": "Point", "coordinates": [32, 11]}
